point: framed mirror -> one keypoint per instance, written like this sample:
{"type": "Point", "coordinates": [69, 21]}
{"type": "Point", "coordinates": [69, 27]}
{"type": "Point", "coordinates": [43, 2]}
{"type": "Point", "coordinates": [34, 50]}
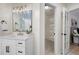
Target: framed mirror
{"type": "Point", "coordinates": [22, 19]}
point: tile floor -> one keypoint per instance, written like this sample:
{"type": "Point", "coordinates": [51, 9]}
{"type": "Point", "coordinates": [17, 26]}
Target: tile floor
{"type": "Point", "coordinates": [49, 47]}
{"type": "Point", "coordinates": [74, 50]}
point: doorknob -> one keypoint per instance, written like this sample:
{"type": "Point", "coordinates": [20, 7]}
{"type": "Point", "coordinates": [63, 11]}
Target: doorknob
{"type": "Point", "coordinates": [63, 34]}
{"type": "Point", "coordinates": [54, 33]}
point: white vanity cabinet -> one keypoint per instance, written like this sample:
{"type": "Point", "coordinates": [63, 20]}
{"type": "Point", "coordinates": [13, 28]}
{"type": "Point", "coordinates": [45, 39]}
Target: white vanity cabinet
{"type": "Point", "coordinates": [16, 46]}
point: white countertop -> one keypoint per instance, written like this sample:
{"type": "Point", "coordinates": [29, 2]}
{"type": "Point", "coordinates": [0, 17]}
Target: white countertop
{"type": "Point", "coordinates": [18, 37]}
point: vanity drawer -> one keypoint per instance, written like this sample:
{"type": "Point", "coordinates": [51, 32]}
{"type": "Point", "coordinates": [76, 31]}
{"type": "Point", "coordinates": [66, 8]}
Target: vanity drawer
{"type": "Point", "coordinates": [20, 50]}
{"type": "Point", "coordinates": [20, 43]}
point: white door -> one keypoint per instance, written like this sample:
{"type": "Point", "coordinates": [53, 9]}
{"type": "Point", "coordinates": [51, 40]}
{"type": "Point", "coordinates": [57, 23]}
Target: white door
{"type": "Point", "coordinates": [8, 47]}
{"type": "Point", "coordinates": [65, 32]}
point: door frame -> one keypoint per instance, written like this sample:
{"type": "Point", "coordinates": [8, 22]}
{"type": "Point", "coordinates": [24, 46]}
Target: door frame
{"type": "Point", "coordinates": [57, 37]}
{"type": "Point", "coordinates": [65, 31]}
{"type": "Point", "coordinates": [52, 6]}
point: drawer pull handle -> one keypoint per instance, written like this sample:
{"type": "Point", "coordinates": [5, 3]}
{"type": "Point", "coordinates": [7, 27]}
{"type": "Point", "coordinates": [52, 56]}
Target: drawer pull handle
{"type": "Point", "coordinates": [19, 43]}
{"type": "Point", "coordinates": [20, 51]}
{"type": "Point", "coordinates": [7, 49]}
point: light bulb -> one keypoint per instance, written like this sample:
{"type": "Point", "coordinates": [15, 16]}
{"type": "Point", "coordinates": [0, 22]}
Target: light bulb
{"type": "Point", "coordinates": [46, 7]}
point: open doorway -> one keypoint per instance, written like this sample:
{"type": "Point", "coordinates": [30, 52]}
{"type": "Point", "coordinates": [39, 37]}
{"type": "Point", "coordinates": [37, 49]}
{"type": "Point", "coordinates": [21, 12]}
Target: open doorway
{"type": "Point", "coordinates": [49, 29]}
{"type": "Point", "coordinates": [74, 32]}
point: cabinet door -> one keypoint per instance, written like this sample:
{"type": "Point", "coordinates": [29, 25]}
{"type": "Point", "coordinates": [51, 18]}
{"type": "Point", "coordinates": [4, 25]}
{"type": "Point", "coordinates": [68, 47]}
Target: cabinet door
{"type": "Point", "coordinates": [9, 47]}
{"type": "Point", "coordinates": [29, 46]}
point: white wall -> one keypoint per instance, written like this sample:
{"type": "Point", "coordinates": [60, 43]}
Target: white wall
{"type": "Point", "coordinates": [42, 29]}
{"type": "Point", "coordinates": [5, 13]}
{"type": "Point", "coordinates": [36, 27]}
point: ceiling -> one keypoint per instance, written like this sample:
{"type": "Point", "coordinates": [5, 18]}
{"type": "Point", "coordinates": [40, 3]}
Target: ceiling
{"type": "Point", "coordinates": [69, 4]}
